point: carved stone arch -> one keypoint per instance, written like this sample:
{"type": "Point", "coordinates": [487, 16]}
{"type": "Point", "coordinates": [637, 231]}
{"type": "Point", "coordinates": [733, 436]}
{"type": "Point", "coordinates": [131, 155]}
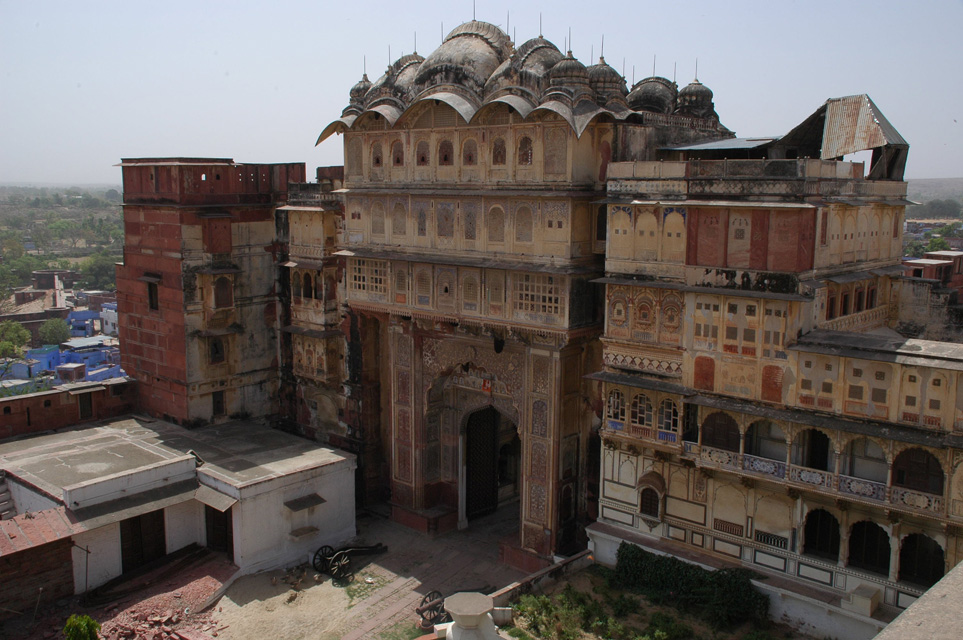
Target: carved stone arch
{"type": "Point", "coordinates": [846, 439]}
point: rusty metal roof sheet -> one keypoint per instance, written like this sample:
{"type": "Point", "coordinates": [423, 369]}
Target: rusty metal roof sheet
{"type": "Point", "coordinates": [846, 125]}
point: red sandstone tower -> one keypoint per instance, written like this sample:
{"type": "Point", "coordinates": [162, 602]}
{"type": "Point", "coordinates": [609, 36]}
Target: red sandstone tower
{"type": "Point", "coordinates": [196, 292]}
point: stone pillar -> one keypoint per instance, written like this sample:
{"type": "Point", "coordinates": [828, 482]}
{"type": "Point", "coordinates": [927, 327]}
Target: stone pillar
{"type": "Point", "coordinates": [471, 615]}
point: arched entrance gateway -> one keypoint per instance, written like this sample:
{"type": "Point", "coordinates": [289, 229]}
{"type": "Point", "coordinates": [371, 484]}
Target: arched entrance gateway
{"type": "Point", "coordinates": [471, 425]}
{"type": "Point", "coordinates": [492, 449]}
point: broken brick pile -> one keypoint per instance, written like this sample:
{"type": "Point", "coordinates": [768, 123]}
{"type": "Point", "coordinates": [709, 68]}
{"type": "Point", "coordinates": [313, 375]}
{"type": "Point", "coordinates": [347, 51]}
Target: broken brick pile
{"type": "Point", "coordinates": [166, 609]}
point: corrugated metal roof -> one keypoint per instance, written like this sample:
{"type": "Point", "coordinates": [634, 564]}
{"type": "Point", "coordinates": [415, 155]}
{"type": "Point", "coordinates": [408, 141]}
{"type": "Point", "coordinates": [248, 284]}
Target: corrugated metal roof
{"type": "Point", "coordinates": [725, 144]}
{"type": "Point", "coordinates": [855, 123]}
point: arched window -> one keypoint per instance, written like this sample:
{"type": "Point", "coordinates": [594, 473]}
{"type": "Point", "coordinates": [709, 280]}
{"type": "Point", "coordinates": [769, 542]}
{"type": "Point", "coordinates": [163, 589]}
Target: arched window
{"type": "Point", "coordinates": [766, 440]}
{"type": "Point", "coordinates": [223, 293]}
{"type": "Point", "coordinates": [399, 220]}
{"type": "Point", "coordinates": [919, 470]}
{"type": "Point", "coordinates": [720, 431]}
{"type": "Point", "coordinates": [869, 548]}
{"type": "Point", "coordinates": [669, 418]}
{"type": "Point", "coordinates": [498, 152]}
{"type": "Point", "coordinates": [377, 219]}
{"type": "Point", "coordinates": [215, 350]}
{"type": "Point", "coordinates": [295, 284]}
{"type": "Point", "coordinates": [318, 286]}
{"type": "Point", "coordinates": [821, 535]}
{"type": "Point", "coordinates": [308, 288]}
{"type": "Point", "coordinates": [641, 414]}
{"type": "Point", "coordinates": [649, 502]}
{"type": "Point", "coordinates": [376, 157]}
{"type": "Point", "coordinates": [496, 225]}
{"type": "Point", "coordinates": [424, 287]}
{"type": "Point", "coordinates": [469, 153]}
{"type": "Point", "coordinates": [921, 560]}
{"type": "Point", "coordinates": [865, 459]}
{"type": "Point", "coordinates": [397, 154]}
{"type": "Point", "coordinates": [525, 151]}
{"type": "Point", "coordinates": [812, 449]}
{"type": "Point", "coordinates": [446, 154]}
{"type": "Point", "coordinates": [616, 406]}
{"type": "Point", "coordinates": [401, 281]}
{"type": "Point", "coordinates": [523, 225]}
{"type": "Point", "coordinates": [422, 154]}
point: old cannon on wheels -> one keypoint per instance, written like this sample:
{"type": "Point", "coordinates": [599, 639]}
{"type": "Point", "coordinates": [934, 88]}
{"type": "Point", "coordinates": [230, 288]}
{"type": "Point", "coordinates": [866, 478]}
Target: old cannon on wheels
{"type": "Point", "coordinates": [338, 563]}
{"type": "Point", "coordinates": [432, 608]}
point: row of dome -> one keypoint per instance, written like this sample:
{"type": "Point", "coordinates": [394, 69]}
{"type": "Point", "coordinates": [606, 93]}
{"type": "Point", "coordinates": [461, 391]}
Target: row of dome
{"type": "Point", "coordinates": [478, 63]}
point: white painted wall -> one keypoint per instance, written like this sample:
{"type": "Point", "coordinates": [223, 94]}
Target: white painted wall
{"type": "Point", "coordinates": [28, 500]}
{"type": "Point", "coordinates": [262, 524]}
{"type": "Point", "coordinates": [104, 558]}
{"type": "Point", "coordinates": [118, 485]}
{"type": "Point", "coordinates": [184, 524]}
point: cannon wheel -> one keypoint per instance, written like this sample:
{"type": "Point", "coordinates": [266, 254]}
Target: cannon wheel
{"type": "Point", "coordinates": [322, 557]}
{"type": "Point", "coordinates": [340, 565]}
{"type": "Point", "coordinates": [436, 614]}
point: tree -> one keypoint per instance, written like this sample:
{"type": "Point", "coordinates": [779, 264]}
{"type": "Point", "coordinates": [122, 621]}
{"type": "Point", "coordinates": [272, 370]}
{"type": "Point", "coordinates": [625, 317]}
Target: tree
{"type": "Point", "coordinates": [13, 337]}
{"type": "Point", "coordinates": [938, 244]}
{"type": "Point", "coordinates": [54, 331]}
{"type": "Point", "coordinates": [99, 271]}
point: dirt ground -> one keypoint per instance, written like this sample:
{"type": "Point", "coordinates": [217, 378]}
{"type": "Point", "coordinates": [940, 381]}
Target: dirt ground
{"type": "Point", "coordinates": [379, 602]}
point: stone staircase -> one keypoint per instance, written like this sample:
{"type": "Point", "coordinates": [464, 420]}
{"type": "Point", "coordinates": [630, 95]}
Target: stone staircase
{"type": "Point", "coordinates": [7, 508]}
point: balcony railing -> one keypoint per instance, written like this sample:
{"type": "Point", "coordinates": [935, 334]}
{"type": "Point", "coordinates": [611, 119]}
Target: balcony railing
{"type": "Point", "coordinates": [720, 458]}
{"type": "Point", "coordinates": [813, 477]}
{"type": "Point", "coordinates": [765, 466]}
{"type": "Point", "coordinates": [918, 500]}
{"type": "Point", "coordinates": [862, 488]}
{"type": "Point", "coordinates": [862, 321]}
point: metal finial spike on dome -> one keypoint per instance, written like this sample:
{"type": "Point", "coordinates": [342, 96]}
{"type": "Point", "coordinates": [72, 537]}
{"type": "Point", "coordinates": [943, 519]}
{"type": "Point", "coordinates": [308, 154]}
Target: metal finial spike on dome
{"type": "Point", "coordinates": [653, 65]}
{"type": "Point", "coordinates": [623, 67]}
{"type": "Point", "coordinates": [416, 42]}
{"type": "Point", "coordinates": [673, 72]}
{"type": "Point", "coordinates": [364, 65]}
{"type": "Point", "coordinates": [633, 75]}
{"type": "Point", "coordinates": [540, 24]}
{"type": "Point", "coordinates": [602, 52]}
{"type": "Point", "coordinates": [697, 70]}
{"type": "Point", "coordinates": [592, 54]}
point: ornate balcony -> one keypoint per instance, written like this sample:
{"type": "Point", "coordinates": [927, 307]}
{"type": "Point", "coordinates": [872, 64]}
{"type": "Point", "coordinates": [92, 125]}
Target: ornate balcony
{"type": "Point", "coordinates": [720, 458]}
{"type": "Point", "coordinates": [862, 488]}
{"type": "Point", "coordinates": [917, 500]}
{"type": "Point", "coordinates": [764, 466]}
{"type": "Point", "coordinates": [814, 477]}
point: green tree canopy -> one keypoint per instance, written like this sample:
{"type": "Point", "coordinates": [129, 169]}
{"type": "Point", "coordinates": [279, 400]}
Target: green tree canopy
{"type": "Point", "coordinates": [99, 271]}
{"type": "Point", "coordinates": [54, 331]}
{"type": "Point", "coordinates": [13, 337]}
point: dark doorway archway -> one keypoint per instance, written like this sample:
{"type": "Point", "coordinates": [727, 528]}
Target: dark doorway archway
{"type": "Point", "coordinates": [492, 456]}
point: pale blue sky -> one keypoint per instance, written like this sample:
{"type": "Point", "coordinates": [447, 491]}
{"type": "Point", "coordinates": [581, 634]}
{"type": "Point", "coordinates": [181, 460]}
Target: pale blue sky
{"type": "Point", "coordinates": [83, 84]}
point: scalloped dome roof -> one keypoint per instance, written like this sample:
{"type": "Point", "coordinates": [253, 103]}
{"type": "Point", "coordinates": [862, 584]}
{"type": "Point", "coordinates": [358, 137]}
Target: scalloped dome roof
{"type": "Point", "coordinates": [527, 70]}
{"type": "Point", "coordinates": [655, 94]}
{"type": "Point", "coordinates": [695, 99]}
{"type": "Point", "coordinates": [466, 59]}
{"type": "Point", "coordinates": [606, 81]}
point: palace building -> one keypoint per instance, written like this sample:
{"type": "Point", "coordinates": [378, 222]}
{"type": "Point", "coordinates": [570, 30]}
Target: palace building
{"type": "Point", "coordinates": [534, 287]}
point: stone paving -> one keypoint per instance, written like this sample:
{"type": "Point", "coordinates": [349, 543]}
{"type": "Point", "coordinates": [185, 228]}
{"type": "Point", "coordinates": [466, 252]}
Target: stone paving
{"type": "Point", "coordinates": [386, 589]}
{"type": "Point", "coordinates": [449, 563]}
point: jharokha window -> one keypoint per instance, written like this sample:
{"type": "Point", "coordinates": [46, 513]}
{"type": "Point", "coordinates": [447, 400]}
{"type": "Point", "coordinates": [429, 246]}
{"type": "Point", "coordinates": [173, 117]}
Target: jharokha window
{"type": "Point", "coordinates": [525, 151]}
{"type": "Point", "coordinates": [446, 153]}
{"type": "Point", "coordinates": [469, 153]}
{"type": "Point", "coordinates": [498, 152]}
{"type": "Point", "coordinates": [422, 155]}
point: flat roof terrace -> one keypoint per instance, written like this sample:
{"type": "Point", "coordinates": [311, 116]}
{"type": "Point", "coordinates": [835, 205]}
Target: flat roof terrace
{"type": "Point", "coordinates": [240, 453]}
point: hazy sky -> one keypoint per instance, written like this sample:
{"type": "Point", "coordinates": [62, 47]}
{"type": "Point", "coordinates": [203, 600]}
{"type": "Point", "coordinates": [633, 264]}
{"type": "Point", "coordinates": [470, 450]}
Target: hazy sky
{"type": "Point", "coordinates": [83, 84]}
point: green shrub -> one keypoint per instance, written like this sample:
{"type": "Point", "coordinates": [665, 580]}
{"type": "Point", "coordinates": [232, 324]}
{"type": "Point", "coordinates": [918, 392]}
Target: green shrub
{"type": "Point", "coordinates": [724, 598]}
{"type": "Point", "coordinates": [81, 627]}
